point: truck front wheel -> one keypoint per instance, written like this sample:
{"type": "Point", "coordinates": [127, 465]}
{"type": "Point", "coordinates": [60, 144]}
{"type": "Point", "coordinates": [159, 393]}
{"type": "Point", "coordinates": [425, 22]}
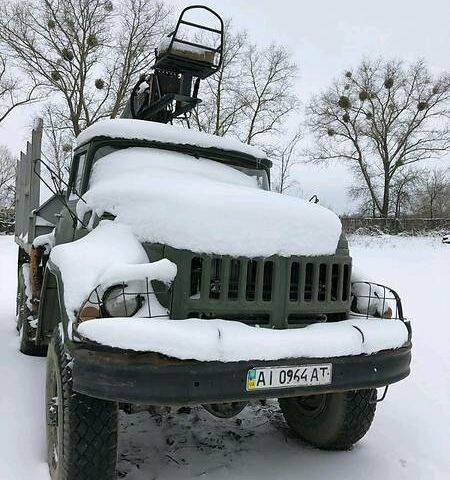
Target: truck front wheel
{"type": "Point", "coordinates": [81, 430]}
{"type": "Point", "coordinates": [332, 421]}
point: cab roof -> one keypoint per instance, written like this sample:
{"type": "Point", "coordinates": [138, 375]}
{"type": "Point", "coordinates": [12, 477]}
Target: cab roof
{"type": "Point", "coordinates": [159, 133]}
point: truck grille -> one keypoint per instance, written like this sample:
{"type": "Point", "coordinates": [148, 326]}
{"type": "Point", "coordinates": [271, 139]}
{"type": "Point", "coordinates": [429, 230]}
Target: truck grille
{"type": "Point", "coordinates": [231, 279]}
{"type": "Point", "coordinates": [318, 282]}
{"type": "Point", "coordinates": [273, 291]}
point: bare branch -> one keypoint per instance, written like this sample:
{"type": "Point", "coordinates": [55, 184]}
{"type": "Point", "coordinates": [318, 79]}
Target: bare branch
{"type": "Point", "coordinates": [267, 95]}
{"type": "Point", "coordinates": [13, 93]}
{"type": "Point", "coordinates": [220, 111]}
{"type": "Point", "coordinates": [284, 157]}
{"type": "Point", "coordinates": [7, 177]}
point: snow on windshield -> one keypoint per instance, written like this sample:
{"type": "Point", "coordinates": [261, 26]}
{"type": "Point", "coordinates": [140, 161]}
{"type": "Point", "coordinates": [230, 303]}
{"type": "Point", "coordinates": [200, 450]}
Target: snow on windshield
{"type": "Point", "coordinates": [205, 206]}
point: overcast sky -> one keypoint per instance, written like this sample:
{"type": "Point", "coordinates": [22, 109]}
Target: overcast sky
{"type": "Point", "coordinates": [325, 37]}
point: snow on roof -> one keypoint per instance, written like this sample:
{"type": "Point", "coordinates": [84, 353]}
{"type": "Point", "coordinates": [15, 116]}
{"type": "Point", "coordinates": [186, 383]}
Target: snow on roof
{"type": "Point", "coordinates": [232, 341]}
{"type": "Point", "coordinates": [205, 206]}
{"type": "Point", "coordinates": [152, 131]}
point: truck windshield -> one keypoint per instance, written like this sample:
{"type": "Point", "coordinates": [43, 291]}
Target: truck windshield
{"type": "Point", "coordinates": [259, 174]}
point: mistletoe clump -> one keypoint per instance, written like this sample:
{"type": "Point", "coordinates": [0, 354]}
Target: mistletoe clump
{"type": "Point", "coordinates": [67, 54]}
{"type": "Point", "coordinates": [344, 102]}
{"type": "Point", "coordinates": [99, 84]}
{"type": "Point", "coordinates": [92, 40]}
{"type": "Point", "coordinates": [363, 95]}
{"type": "Point", "coordinates": [55, 75]}
{"type": "Point", "coordinates": [421, 106]}
{"type": "Point", "coordinates": [388, 82]}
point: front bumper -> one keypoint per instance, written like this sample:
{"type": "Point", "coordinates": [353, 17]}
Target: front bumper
{"type": "Point", "coordinates": [150, 379]}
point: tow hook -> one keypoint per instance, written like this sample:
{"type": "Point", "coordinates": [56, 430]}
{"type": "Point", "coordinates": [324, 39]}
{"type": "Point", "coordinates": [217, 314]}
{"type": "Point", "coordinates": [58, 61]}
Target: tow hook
{"type": "Point", "coordinates": [374, 398]}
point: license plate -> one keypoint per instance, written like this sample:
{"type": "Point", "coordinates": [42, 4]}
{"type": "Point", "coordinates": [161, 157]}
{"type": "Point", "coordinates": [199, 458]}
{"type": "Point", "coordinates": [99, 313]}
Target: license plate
{"type": "Point", "coordinates": [286, 377]}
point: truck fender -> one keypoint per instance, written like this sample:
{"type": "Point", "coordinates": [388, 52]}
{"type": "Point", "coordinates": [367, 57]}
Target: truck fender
{"type": "Point", "coordinates": [51, 305]}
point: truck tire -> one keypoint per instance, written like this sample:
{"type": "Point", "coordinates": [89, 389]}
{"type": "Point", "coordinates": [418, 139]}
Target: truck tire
{"type": "Point", "coordinates": [81, 430]}
{"type": "Point", "coordinates": [27, 333]}
{"type": "Point", "coordinates": [332, 421]}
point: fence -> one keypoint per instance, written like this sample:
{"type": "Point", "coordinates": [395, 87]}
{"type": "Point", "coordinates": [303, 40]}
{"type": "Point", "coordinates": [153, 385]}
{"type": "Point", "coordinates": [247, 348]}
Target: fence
{"type": "Point", "coordinates": [349, 224]}
{"type": "Point", "coordinates": [395, 225]}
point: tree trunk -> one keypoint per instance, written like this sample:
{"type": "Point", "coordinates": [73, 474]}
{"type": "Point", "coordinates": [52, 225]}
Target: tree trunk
{"type": "Point", "coordinates": [385, 206]}
{"type": "Point", "coordinates": [397, 207]}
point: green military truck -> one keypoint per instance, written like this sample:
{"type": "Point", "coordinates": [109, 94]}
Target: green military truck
{"type": "Point", "coordinates": [167, 273]}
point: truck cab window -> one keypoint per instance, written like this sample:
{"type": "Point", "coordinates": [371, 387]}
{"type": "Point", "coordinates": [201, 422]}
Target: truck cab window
{"type": "Point", "coordinates": [78, 181]}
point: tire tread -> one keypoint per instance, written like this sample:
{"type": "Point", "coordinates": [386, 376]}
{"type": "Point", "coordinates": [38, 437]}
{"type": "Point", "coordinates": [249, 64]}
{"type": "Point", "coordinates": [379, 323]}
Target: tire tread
{"type": "Point", "coordinates": [90, 439]}
{"type": "Point", "coordinates": [357, 419]}
{"type": "Point", "coordinates": [354, 418]}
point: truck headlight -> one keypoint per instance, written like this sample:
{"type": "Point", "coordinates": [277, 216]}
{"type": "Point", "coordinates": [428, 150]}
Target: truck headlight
{"type": "Point", "coordinates": [121, 301]}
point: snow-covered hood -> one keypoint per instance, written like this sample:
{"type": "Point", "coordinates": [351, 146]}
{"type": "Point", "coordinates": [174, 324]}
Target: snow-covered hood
{"type": "Point", "coordinates": [205, 206]}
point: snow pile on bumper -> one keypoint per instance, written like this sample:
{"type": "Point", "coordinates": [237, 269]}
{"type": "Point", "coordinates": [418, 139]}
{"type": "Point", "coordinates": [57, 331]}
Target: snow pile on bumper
{"type": "Point", "coordinates": [230, 341]}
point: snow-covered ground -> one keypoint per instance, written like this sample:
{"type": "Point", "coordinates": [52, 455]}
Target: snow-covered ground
{"type": "Point", "coordinates": [409, 438]}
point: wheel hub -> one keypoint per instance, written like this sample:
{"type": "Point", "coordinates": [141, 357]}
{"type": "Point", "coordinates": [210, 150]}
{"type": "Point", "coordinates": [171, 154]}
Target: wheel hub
{"type": "Point", "coordinates": [312, 405]}
{"type": "Point", "coordinates": [225, 410]}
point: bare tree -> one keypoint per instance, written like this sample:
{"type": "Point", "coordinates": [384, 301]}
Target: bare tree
{"type": "Point", "coordinates": [285, 156]}
{"type": "Point", "coordinates": [251, 94]}
{"type": "Point", "coordinates": [403, 189]}
{"type": "Point", "coordinates": [380, 118]}
{"type": "Point", "coordinates": [13, 92]}
{"type": "Point", "coordinates": [57, 143]}
{"type": "Point", "coordinates": [221, 109]}
{"type": "Point", "coordinates": [84, 50]}
{"type": "Point", "coordinates": [7, 177]}
{"type": "Point", "coordinates": [267, 91]}
{"type": "Point", "coordinates": [432, 196]}
{"type": "Point", "coordinates": [360, 192]}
